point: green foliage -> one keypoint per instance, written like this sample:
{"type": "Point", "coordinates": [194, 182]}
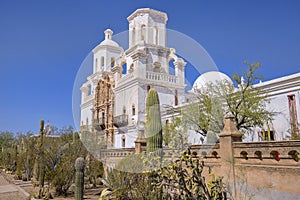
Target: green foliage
{"type": "Point", "coordinates": [181, 179]}
{"type": "Point", "coordinates": [29, 156]}
{"type": "Point", "coordinates": [79, 178]}
{"type": "Point", "coordinates": [175, 134]}
{"type": "Point", "coordinates": [211, 137]}
{"type": "Point", "coordinates": [22, 152]}
{"type": "Point", "coordinates": [41, 159]}
{"type": "Point", "coordinates": [63, 175]}
{"type": "Point", "coordinates": [7, 159]}
{"type": "Point", "coordinates": [246, 103]}
{"type": "Point", "coordinates": [75, 136]}
{"type": "Point", "coordinates": [60, 168]}
{"type": "Point", "coordinates": [132, 163]}
{"type": "Point", "coordinates": [94, 170]}
{"type": "Point", "coordinates": [16, 154]}
{"type": "Point", "coordinates": [216, 188]}
{"type": "Point", "coordinates": [125, 185]}
{"type": "Point", "coordinates": [7, 140]}
{"type": "Point", "coordinates": [153, 122]}
{"type": "Point", "coordinates": [42, 126]}
{"type": "Point", "coordinates": [206, 113]}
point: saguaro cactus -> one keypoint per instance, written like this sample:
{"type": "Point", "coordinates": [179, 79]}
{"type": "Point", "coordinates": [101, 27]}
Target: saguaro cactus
{"type": "Point", "coordinates": [79, 178]}
{"type": "Point", "coordinates": [75, 137]}
{"type": "Point", "coordinates": [41, 158]}
{"type": "Point", "coordinates": [153, 122]}
{"type": "Point", "coordinates": [15, 162]}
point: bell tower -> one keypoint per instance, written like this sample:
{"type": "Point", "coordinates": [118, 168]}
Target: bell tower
{"type": "Point", "coordinates": [147, 42]}
{"type": "Point", "coordinates": [147, 26]}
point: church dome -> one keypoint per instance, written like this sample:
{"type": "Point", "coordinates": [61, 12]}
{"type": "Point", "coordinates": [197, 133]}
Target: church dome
{"type": "Point", "coordinates": [210, 77]}
{"type": "Point", "coordinates": [108, 39]}
{"type": "Point", "coordinates": [109, 43]}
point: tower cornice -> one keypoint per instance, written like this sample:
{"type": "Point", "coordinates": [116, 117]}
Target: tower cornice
{"type": "Point", "coordinates": [140, 11]}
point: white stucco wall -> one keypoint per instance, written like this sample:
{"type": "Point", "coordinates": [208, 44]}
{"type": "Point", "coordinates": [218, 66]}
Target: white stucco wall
{"type": "Point", "coordinates": [86, 113]}
{"type": "Point", "coordinates": [281, 122]}
{"type": "Point", "coordinates": [130, 134]}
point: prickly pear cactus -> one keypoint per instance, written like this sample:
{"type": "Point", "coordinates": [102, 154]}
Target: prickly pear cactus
{"type": "Point", "coordinates": [79, 178]}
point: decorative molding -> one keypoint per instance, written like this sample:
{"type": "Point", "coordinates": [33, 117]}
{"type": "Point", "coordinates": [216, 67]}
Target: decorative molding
{"type": "Point", "coordinates": [157, 14]}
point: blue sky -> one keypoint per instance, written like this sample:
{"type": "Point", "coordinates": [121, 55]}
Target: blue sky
{"type": "Point", "coordinates": [42, 45]}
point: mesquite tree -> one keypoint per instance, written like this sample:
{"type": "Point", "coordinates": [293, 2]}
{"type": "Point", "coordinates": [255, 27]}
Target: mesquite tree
{"type": "Point", "coordinates": [245, 100]}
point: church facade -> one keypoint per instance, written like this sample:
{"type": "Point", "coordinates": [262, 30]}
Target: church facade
{"type": "Point", "coordinates": [113, 102]}
{"type": "Point", "coordinates": [113, 97]}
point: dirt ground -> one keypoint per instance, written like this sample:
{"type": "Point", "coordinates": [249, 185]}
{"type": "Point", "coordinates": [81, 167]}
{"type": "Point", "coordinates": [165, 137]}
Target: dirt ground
{"type": "Point", "coordinates": [91, 194]}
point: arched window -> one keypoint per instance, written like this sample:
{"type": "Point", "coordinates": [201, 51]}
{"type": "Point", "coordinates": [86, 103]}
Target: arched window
{"type": "Point", "coordinates": [96, 64]}
{"type": "Point", "coordinates": [176, 98]}
{"type": "Point", "coordinates": [124, 68]}
{"type": "Point", "coordinates": [133, 37]}
{"type": "Point", "coordinates": [112, 61]}
{"type": "Point", "coordinates": [155, 35]}
{"type": "Point", "coordinates": [103, 115]}
{"type": "Point", "coordinates": [90, 90]}
{"type": "Point", "coordinates": [123, 140]}
{"type": "Point", "coordinates": [133, 110]}
{"type": "Point", "coordinates": [148, 88]}
{"type": "Point", "coordinates": [293, 115]}
{"type": "Point", "coordinates": [102, 61]}
{"type": "Point", "coordinates": [131, 68]}
{"type": "Point", "coordinates": [124, 110]}
{"type": "Point", "coordinates": [143, 32]}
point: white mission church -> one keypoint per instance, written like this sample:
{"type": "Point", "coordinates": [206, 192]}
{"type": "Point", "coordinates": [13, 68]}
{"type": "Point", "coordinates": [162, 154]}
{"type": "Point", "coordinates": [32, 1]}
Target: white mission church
{"type": "Point", "coordinates": [113, 102]}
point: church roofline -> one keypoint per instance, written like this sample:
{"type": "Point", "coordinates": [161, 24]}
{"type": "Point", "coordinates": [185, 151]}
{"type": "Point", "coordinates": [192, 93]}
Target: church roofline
{"type": "Point", "coordinates": [285, 84]}
{"type": "Point", "coordinates": [108, 47]}
{"type": "Point", "coordinates": [147, 10]}
{"type": "Point", "coordinates": [280, 80]}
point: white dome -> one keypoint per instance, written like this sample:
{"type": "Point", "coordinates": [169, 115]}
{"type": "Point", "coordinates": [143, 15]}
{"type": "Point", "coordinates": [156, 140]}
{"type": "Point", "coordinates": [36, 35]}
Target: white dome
{"type": "Point", "coordinates": [210, 77]}
{"type": "Point", "coordinates": [109, 42]}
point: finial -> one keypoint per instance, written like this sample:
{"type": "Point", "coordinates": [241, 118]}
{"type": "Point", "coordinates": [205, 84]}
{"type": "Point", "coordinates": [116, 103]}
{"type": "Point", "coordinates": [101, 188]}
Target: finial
{"type": "Point", "coordinates": [242, 80]}
{"type": "Point", "coordinates": [230, 129]}
{"type": "Point", "coordinates": [108, 34]}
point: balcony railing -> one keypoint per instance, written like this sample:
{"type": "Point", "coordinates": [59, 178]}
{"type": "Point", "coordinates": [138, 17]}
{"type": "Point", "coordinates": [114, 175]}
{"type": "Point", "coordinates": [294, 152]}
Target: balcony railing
{"type": "Point", "coordinates": [99, 124]}
{"type": "Point", "coordinates": [121, 121]}
{"type": "Point", "coordinates": [161, 77]}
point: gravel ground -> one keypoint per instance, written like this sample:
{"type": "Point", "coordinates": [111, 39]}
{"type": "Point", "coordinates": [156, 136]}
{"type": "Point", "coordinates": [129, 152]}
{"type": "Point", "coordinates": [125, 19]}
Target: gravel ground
{"type": "Point", "coordinates": [9, 191]}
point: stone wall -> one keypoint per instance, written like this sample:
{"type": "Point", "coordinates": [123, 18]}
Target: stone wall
{"type": "Point", "coordinates": [257, 170]}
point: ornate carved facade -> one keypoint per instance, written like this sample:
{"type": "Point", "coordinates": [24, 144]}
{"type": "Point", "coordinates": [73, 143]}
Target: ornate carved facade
{"type": "Point", "coordinates": [103, 109]}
